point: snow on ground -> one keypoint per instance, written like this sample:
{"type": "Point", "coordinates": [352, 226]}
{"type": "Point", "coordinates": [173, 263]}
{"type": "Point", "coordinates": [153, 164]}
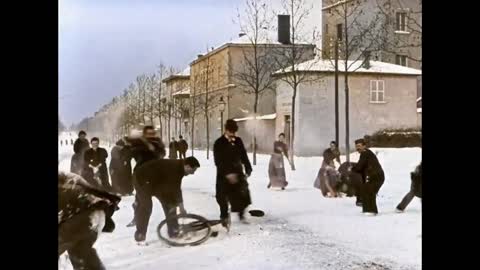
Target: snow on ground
{"type": "Point", "coordinates": [301, 229]}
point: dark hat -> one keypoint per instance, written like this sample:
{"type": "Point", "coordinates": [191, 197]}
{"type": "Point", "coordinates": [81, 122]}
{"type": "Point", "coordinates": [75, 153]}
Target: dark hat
{"type": "Point", "coordinates": [231, 125]}
{"type": "Point", "coordinates": [360, 141]}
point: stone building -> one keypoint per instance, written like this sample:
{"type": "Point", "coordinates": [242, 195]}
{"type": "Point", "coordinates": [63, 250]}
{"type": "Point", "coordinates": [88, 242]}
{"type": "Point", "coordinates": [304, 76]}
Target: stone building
{"type": "Point", "coordinates": [381, 96]}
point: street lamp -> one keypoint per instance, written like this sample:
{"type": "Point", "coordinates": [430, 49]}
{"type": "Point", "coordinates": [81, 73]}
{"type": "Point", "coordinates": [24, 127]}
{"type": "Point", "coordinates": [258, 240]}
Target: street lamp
{"type": "Point", "coordinates": [221, 105]}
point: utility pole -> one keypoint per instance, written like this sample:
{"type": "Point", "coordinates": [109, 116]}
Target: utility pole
{"type": "Point", "coordinates": [337, 125]}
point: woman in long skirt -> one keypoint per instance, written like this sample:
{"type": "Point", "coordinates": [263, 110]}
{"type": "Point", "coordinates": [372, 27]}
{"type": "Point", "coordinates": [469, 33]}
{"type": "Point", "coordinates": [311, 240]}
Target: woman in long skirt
{"type": "Point", "coordinates": [276, 168]}
{"type": "Point", "coordinates": [328, 176]}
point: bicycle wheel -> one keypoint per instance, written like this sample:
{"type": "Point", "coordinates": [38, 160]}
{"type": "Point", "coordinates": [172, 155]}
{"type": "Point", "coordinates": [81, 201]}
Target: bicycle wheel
{"type": "Point", "coordinates": [192, 230]}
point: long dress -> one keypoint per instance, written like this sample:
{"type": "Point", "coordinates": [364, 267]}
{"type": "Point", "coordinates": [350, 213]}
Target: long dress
{"type": "Point", "coordinates": [276, 166]}
{"type": "Point", "coordinates": [328, 172]}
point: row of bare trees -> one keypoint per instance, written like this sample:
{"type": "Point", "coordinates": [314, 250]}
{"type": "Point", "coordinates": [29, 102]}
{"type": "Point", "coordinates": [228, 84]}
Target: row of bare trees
{"type": "Point", "coordinates": [147, 101]}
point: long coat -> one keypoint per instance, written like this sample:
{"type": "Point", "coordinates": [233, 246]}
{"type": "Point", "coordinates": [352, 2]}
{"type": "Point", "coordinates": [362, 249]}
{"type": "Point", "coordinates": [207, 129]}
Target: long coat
{"type": "Point", "coordinates": [76, 195]}
{"type": "Point", "coordinates": [163, 178]}
{"type": "Point", "coordinates": [95, 158]}
{"type": "Point", "coordinates": [79, 148]}
{"type": "Point", "coordinates": [144, 150]}
{"type": "Point", "coordinates": [121, 169]}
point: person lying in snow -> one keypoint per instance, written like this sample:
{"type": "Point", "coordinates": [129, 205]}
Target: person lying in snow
{"type": "Point", "coordinates": [83, 213]}
{"type": "Point", "coordinates": [415, 189]}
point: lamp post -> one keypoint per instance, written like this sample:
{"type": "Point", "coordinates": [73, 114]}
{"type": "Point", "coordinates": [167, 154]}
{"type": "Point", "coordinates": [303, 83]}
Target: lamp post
{"type": "Point", "coordinates": [221, 109]}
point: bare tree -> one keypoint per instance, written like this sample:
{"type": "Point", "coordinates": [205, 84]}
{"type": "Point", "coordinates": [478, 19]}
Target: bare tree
{"type": "Point", "coordinates": [412, 26]}
{"type": "Point", "coordinates": [290, 56]}
{"type": "Point", "coordinates": [361, 35]}
{"type": "Point", "coordinates": [258, 61]}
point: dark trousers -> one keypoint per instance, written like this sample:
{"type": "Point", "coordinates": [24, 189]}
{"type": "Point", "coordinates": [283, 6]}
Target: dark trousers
{"type": "Point", "coordinates": [238, 195]}
{"type": "Point", "coordinates": [143, 209]}
{"type": "Point", "coordinates": [369, 192]}
{"type": "Point", "coordinates": [407, 198]}
{"type": "Point", "coordinates": [182, 154]}
{"type": "Point", "coordinates": [77, 238]}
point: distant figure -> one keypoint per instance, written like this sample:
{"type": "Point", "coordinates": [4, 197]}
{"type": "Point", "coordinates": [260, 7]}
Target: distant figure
{"type": "Point", "coordinates": [172, 149]}
{"type": "Point", "coordinates": [79, 147]}
{"type": "Point", "coordinates": [373, 177]}
{"type": "Point", "coordinates": [276, 167]}
{"type": "Point", "coordinates": [95, 166]}
{"type": "Point", "coordinates": [415, 189]}
{"type": "Point", "coordinates": [71, 141]}
{"type": "Point", "coordinates": [66, 142]}
{"type": "Point", "coordinates": [61, 143]}
{"type": "Point", "coordinates": [121, 168]}
{"type": "Point", "coordinates": [182, 147]}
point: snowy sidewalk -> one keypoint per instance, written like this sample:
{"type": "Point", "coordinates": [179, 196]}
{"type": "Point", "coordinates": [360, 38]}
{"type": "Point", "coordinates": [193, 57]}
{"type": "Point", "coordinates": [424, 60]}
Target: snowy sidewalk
{"type": "Point", "coordinates": [301, 229]}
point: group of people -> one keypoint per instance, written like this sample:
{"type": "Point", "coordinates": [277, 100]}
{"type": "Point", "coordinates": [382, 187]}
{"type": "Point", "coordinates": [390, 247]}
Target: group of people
{"type": "Point", "coordinates": [66, 142]}
{"type": "Point", "coordinates": [180, 147]}
{"type": "Point", "coordinates": [155, 176]}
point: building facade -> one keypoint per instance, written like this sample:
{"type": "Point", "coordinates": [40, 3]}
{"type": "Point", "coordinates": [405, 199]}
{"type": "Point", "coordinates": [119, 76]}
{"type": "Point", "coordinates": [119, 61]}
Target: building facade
{"type": "Point", "coordinates": [381, 97]}
{"type": "Point", "coordinates": [397, 30]}
{"type": "Point", "coordinates": [214, 77]}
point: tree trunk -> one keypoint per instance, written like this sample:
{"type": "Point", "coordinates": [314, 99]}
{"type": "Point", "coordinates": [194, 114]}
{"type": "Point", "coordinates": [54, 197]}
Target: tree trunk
{"type": "Point", "coordinates": [254, 137]}
{"type": "Point", "coordinates": [292, 130]}
{"type": "Point", "coordinates": [337, 122]}
{"type": "Point", "coordinates": [207, 118]}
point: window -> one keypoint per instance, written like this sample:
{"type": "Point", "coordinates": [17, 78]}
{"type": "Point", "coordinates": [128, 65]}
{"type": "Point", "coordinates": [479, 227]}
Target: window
{"type": "Point", "coordinates": [326, 28]}
{"type": "Point", "coordinates": [339, 31]}
{"type": "Point", "coordinates": [401, 21]}
{"type": "Point", "coordinates": [401, 60]}
{"type": "Point", "coordinates": [377, 91]}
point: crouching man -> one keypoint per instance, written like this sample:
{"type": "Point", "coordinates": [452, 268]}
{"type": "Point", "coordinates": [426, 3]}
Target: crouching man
{"type": "Point", "coordinates": [161, 178]}
{"type": "Point", "coordinates": [83, 212]}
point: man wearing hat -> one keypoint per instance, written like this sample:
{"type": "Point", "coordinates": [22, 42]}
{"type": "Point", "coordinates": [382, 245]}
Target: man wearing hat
{"type": "Point", "coordinates": [231, 187]}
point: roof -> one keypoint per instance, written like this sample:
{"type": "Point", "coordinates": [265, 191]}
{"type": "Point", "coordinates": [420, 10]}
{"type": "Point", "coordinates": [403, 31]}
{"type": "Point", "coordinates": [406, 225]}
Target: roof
{"type": "Point", "coordinates": [261, 117]}
{"type": "Point", "coordinates": [183, 92]}
{"type": "Point", "coordinates": [323, 65]}
{"type": "Point", "coordinates": [269, 39]}
{"type": "Point", "coordinates": [337, 3]}
{"type": "Point", "coordinates": [184, 74]}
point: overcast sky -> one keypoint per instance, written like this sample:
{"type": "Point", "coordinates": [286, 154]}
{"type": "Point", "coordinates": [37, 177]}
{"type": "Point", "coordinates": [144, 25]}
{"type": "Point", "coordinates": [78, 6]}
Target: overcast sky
{"type": "Point", "coordinates": [104, 45]}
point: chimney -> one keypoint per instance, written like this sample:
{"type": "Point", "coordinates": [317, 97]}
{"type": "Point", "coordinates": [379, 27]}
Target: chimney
{"type": "Point", "coordinates": [199, 56]}
{"type": "Point", "coordinates": [241, 34]}
{"type": "Point", "coordinates": [284, 29]}
{"type": "Point", "coordinates": [366, 62]}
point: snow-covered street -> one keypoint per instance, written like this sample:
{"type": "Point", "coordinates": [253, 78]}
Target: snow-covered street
{"type": "Point", "coordinates": [301, 228]}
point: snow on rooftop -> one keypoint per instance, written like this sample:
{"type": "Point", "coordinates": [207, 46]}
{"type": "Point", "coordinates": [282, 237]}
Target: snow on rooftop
{"type": "Point", "coordinates": [185, 72]}
{"type": "Point", "coordinates": [325, 65]}
{"type": "Point", "coordinates": [261, 117]}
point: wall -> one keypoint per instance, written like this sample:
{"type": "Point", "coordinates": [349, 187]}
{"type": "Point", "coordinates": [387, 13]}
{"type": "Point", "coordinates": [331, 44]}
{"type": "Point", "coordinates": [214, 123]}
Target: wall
{"type": "Point", "coordinates": [315, 114]}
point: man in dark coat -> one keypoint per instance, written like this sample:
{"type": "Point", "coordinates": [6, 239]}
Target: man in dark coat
{"type": "Point", "coordinates": [95, 165]}
{"type": "Point", "coordinates": [121, 168]}
{"type": "Point", "coordinates": [172, 149]}
{"type": "Point", "coordinates": [182, 147]}
{"type": "Point", "coordinates": [415, 189]}
{"type": "Point", "coordinates": [83, 213]}
{"type": "Point", "coordinates": [79, 147]}
{"type": "Point", "coordinates": [162, 179]}
{"type": "Point", "coordinates": [143, 149]}
{"type": "Point", "coordinates": [230, 156]}
{"type": "Point", "coordinates": [372, 175]}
